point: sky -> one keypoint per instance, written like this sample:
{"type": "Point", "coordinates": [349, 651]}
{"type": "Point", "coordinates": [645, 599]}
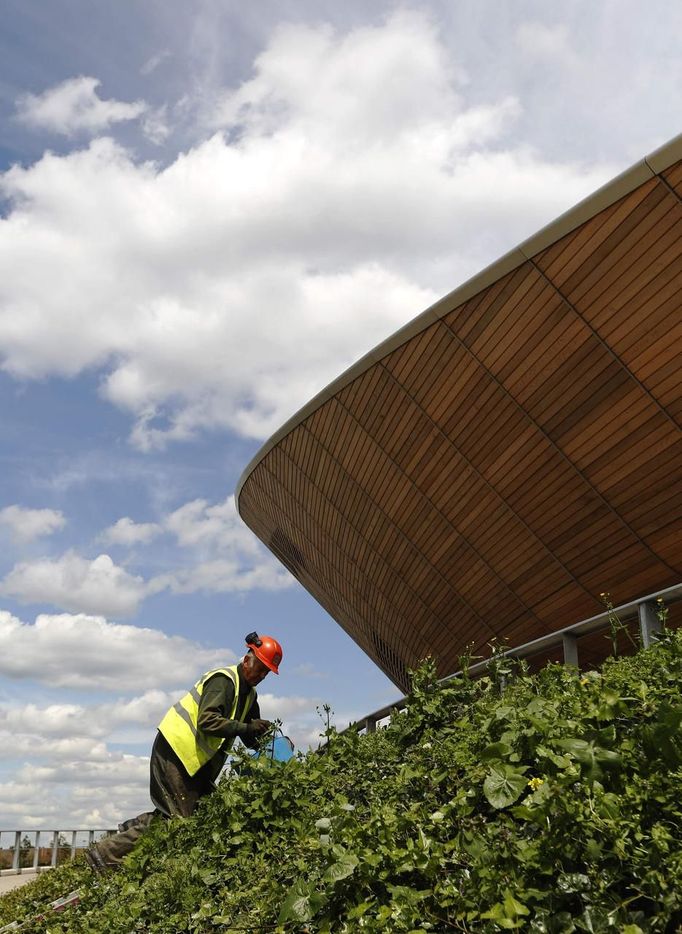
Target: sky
{"type": "Point", "coordinates": [208, 211]}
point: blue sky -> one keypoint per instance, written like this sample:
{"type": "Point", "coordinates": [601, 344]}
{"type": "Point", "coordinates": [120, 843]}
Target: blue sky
{"type": "Point", "coordinates": [207, 212]}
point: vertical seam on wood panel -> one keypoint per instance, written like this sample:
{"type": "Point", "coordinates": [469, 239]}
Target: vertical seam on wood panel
{"type": "Point", "coordinates": [551, 441]}
{"type": "Point", "coordinates": [383, 560]}
{"type": "Point", "coordinates": [638, 382]}
{"type": "Point", "coordinates": [603, 342]}
{"type": "Point", "coordinates": [664, 181]}
{"type": "Point", "coordinates": [393, 524]}
{"type": "Point", "coordinates": [449, 523]}
{"type": "Point", "coordinates": [490, 486]}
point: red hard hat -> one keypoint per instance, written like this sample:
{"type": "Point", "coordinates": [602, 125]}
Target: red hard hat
{"type": "Point", "coordinates": [267, 649]}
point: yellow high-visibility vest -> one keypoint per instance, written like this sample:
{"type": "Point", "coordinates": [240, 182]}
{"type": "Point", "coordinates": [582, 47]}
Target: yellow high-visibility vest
{"type": "Point", "coordinates": [179, 725]}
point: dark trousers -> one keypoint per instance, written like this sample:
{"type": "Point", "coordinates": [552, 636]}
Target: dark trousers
{"type": "Point", "coordinates": [174, 793]}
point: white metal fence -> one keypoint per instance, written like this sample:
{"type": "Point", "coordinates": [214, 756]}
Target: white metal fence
{"type": "Point", "coordinates": [37, 850]}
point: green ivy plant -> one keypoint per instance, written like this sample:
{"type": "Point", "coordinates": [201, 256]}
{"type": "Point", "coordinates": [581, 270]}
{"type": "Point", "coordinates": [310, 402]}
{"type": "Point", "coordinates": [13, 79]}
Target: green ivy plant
{"type": "Point", "coordinates": [554, 806]}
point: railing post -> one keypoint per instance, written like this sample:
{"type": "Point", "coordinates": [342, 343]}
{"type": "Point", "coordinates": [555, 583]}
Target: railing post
{"type": "Point", "coordinates": [649, 623]}
{"type": "Point", "coordinates": [36, 850]}
{"type": "Point", "coordinates": [570, 649]}
{"type": "Point", "coordinates": [370, 725]}
{"type": "Point", "coordinates": [73, 844]}
{"type": "Point", "coordinates": [55, 848]}
{"type": "Point", "coordinates": [91, 837]}
{"type": "Point", "coordinates": [17, 851]}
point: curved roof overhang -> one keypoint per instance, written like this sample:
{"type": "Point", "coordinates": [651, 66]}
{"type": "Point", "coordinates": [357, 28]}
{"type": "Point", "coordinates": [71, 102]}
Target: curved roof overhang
{"type": "Point", "coordinates": [508, 454]}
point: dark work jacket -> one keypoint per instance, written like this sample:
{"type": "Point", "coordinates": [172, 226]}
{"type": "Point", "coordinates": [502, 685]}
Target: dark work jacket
{"type": "Point", "coordinates": [213, 718]}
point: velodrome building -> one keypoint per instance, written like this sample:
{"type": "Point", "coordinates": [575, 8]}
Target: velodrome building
{"type": "Point", "coordinates": [512, 453]}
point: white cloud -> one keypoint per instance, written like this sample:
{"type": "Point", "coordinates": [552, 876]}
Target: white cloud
{"type": "Point", "coordinates": [111, 769]}
{"type": "Point", "coordinates": [66, 722]}
{"type": "Point", "coordinates": [75, 583]}
{"type": "Point", "coordinates": [101, 587]}
{"type": "Point", "coordinates": [146, 709]}
{"type": "Point", "coordinates": [285, 708]}
{"type": "Point", "coordinates": [43, 747]}
{"type": "Point", "coordinates": [550, 43]}
{"type": "Point", "coordinates": [372, 84]}
{"type": "Point", "coordinates": [153, 63]}
{"type": "Point", "coordinates": [73, 107]}
{"type": "Point", "coordinates": [226, 557]}
{"type": "Point", "coordinates": [155, 126]}
{"type": "Point", "coordinates": [225, 576]}
{"type": "Point", "coordinates": [127, 532]}
{"type": "Point", "coordinates": [79, 783]}
{"type": "Point", "coordinates": [87, 791]}
{"type": "Point", "coordinates": [349, 185]}
{"type": "Point", "coordinates": [80, 651]}
{"type": "Point", "coordinates": [198, 523]}
{"type": "Point", "coordinates": [28, 524]}
{"type": "Point", "coordinates": [53, 720]}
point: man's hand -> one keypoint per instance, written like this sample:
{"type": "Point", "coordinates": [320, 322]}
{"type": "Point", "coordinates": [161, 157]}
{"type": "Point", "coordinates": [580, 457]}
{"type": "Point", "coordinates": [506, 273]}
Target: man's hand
{"type": "Point", "coordinates": [258, 727]}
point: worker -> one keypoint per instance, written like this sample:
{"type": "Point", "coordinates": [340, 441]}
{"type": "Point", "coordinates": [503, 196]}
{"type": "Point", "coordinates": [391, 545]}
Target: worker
{"type": "Point", "coordinates": [193, 741]}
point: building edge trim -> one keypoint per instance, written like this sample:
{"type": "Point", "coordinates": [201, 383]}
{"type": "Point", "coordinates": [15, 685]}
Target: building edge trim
{"type": "Point", "coordinates": [616, 188]}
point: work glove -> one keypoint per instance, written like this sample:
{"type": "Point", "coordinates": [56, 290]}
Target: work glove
{"type": "Point", "coordinates": [257, 727]}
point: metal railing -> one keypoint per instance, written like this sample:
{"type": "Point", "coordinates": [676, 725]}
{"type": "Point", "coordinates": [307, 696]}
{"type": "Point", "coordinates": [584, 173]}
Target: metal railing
{"type": "Point", "coordinates": [23, 845]}
{"type": "Point", "coordinates": [644, 609]}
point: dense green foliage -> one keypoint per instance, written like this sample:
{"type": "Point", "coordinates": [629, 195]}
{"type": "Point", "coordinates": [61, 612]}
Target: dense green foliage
{"type": "Point", "coordinates": [554, 805]}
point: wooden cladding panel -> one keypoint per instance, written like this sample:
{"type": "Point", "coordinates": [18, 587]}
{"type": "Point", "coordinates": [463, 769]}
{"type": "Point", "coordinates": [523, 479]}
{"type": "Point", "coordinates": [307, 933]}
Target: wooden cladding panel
{"type": "Point", "coordinates": [560, 264]}
{"type": "Point", "coordinates": [673, 177]}
{"type": "Point", "coordinates": [503, 466]}
{"type": "Point", "coordinates": [331, 495]}
{"type": "Point", "coordinates": [421, 525]}
{"type": "Point", "coordinates": [630, 293]}
{"type": "Point", "coordinates": [602, 254]}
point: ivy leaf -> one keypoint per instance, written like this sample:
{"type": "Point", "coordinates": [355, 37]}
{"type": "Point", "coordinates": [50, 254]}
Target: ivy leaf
{"type": "Point", "coordinates": [589, 755]}
{"type": "Point", "coordinates": [496, 751]}
{"type": "Point", "coordinates": [404, 894]}
{"type": "Point", "coordinates": [507, 912]}
{"type": "Point", "coordinates": [504, 713]}
{"type": "Point", "coordinates": [301, 904]}
{"type": "Point", "coordinates": [504, 785]}
{"type": "Point", "coordinates": [663, 739]}
{"type": "Point", "coordinates": [561, 762]}
{"type": "Point", "coordinates": [513, 907]}
{"type": "Point", "coordinates": [341, 869]}
{"type": "Point", "coordinates": [296, 907]}
{"type": "Point", "coordinates": [573, 882]}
